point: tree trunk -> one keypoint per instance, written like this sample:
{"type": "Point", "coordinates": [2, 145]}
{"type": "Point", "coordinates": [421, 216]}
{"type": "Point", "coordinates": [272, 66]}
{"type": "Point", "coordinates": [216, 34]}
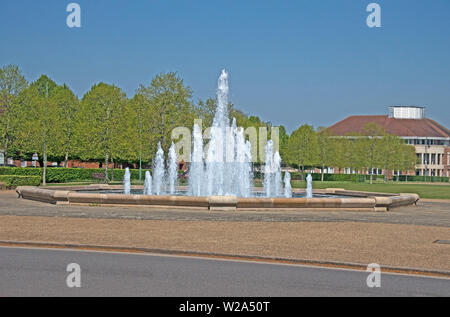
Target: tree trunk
{"type": "Point", "coordinates": [44, 170]}
{"type": "Point", "coordinates": [112, 169]}
{"type": "Point", "coordinates": [5, 150]}
{"type": "Point", "coordinates": [66, 159]}
{"type": "Point", "coordinates": [386, 175]}
{"type": "Point", "coordinates": [106, 167]}
{"type": "Point", "coordinates": [323, 168]}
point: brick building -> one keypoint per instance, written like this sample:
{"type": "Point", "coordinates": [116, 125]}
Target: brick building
{"type": "Point", "coordinates": [431, 139]}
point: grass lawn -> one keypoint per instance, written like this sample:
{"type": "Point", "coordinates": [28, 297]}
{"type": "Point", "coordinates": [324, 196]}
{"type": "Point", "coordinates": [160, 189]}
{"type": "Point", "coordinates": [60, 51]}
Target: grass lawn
{"type": "Point", "coordinates": [440, 191]}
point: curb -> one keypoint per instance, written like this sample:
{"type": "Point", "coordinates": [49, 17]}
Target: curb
{"type": "Point", "coordinates": [223, 256]}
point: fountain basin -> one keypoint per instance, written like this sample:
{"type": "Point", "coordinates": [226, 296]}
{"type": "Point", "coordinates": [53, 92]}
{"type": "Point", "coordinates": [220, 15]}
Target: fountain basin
{"type": "Point", "coordinates": [337, 200]}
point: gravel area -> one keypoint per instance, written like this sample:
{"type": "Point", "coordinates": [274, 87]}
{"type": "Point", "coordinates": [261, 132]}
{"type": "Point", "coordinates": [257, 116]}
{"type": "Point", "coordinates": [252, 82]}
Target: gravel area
{"type": "Point", "coordinates": [385, 244]}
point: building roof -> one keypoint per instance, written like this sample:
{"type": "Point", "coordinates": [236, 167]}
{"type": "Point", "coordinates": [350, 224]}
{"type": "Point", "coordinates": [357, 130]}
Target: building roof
{"type": "Point", "coordinates": [401, 127]}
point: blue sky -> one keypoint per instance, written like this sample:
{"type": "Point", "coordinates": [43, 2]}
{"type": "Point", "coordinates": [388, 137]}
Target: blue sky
{"type": "Point", "coordinates": [290, 62]}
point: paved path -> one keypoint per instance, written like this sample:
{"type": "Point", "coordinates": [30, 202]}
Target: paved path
{"type": "Point", "coordinates": [425, 214]}
{"type": "Point", "coordinates": [42, 272]}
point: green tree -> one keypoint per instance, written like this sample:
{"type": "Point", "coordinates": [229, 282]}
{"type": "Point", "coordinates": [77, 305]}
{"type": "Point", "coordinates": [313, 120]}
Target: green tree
{"type": "Point", "coordinates": [170, 101]}
{"type": "Point", "coordinates": [36, 119]}
{"type": "Point", "coordinates": [100, 124]}
{"type": "Point", "coordinates": [12, 83]}
{"type": "Point", "coordinates": [302, 147]}
{"type": "Point", "coordinates": [205, 111]}
{"type": "Point", "coordinates": [326, 149]}
{"type": "Point", "coordinates": [144, 132]}
{"type": "Point", "coordinates": [389, 153]}
{"type": "Point", "coordinates": [370, 147]}
{"type": "Point", "coordinates": [346, 152]}
{"type": "Point", "coordinates": [284, 141]}
{"type": "Point", "coordinates": [66, 105]}
{"type": "Point", "coordinates": [408, 159]}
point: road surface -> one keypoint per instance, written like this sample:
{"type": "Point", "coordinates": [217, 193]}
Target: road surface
{"type": "Point", "coordinates": [42, 272]}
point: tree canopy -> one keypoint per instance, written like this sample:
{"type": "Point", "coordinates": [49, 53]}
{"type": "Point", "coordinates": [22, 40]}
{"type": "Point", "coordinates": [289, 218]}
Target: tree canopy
{"type": "Point", "coordinates": [105, 126]}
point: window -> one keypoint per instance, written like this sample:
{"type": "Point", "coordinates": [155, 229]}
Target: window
{"type": "Point", "coordinates": [433, 159]}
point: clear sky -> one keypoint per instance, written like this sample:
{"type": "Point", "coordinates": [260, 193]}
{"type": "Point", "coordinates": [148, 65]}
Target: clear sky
{"type": "Point", "coordinates": [290, 61]}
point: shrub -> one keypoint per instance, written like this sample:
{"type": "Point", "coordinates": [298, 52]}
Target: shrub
{"type": "Point", "coordinates": [437, 179]}
{"type": "Point", "coordinates": [12, 181]}
{"type": "Point", "coordinates": [67, 175]}
{"type": "Point", "coordinates": [333, 177]}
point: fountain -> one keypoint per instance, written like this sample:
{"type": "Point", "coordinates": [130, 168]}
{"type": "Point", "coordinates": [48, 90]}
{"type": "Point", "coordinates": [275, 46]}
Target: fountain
{"type": "Point", "coordinates": [148, 183]}
{"type": "Point", "coordinates": [220, 179]}
{"type": "Point", "coordinates": [272, 172]}
{"type": "Point", "coordinates": [197, 166]}
{"type": "Point", "coordinates": [172, 170]}
{"type": "Point", "coordinates": [309, 192]}
{"type": "Point", "coordinates": [287, 185]}
{"type": "Point", "coordinates": [158, 171]}
{"type": "Point", "coordinates": [277, 174]}
{"type": "Point", "coordinates": [127, 182]}
{"type": "Point", "coordinates": [226, 170]}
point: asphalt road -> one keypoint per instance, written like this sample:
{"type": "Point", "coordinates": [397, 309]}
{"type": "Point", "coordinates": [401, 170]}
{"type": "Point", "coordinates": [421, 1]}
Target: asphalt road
{"type": "Point", "coordinates": [42, 272]}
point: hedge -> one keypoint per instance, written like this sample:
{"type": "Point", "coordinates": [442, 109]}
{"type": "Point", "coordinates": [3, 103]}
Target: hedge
{"type": "Point", "coordinates": [336, 177]}
{"type": "Point", "coordinates": [12, 181]}
{"type": "Point", "coordinates": [67, 175]}
{"type": "Point", "coordinates": [437, 179]}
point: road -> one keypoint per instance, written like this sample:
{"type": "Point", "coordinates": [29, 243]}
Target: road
{"type": "Point", "coordinates": [42, 272]}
